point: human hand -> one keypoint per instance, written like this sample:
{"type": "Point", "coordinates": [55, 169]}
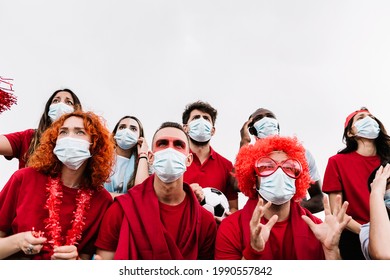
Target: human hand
{"type": "Point", "coordinates": [143, 147]}
{"type": "Point", "coordinates": [328, 232]}
{"type": "Point", "coordinates": [260, 232]}
{"type": "Point", "coordinates": [379, 183]}
{"type": "Point", "coordinates": [30, 244]}
{"type": "Point", "coordinates": [67, 252]}
{"type": "Point", "coordinates": [244, 132]}
{"type": "Point", "coordinates": [198, 191]}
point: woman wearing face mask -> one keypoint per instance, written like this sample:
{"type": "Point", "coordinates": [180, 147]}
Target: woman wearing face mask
{"type": "Point", "coordinates": [21, 145]}
{"type": "Point", "coordinates": [274, 174]}
{"type": "Point", "coordinates": [60, 196]}
{"type": "Point", "coordinates": [347, 172]}
{"type": "Point", "coordinates": [374, 235]}
{"type": "Point", "coordinates": [131, 166]}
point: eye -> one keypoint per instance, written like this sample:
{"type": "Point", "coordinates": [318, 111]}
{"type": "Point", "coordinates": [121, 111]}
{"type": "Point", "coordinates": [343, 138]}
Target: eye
{"type": "Point", "coordinates": [55, 101]}
{"type": "Point", "coordinates": [122, 126]}
{"type": "Point", "coordinates": [81, 132]}
{"type": "Point", "coordinates": [62, 132]}
{"type": "Point", "coordinates": [69, 102]}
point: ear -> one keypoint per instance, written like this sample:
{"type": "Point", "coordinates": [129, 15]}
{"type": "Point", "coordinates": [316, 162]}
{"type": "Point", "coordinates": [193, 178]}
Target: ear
{"type": "Point", "coordinates": [213, 131]}
{"type": "Point", "coordinates": [189, 159]}
{"type": "Point", "coordinates": [150, 157]}
{"type": "Point", "coordinates": [186, 128]}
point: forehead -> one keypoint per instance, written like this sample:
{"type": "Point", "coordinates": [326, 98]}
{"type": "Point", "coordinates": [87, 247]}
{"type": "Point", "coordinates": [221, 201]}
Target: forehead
{"type": "Point", "coordinates": [197, 112]}
{"type": "Point", "coordinates": [170, 133]}
{"type": "Point", "coordinates": [278, 156]}
{"type": "Point", "coordinates": [361, 114]}
{"type": "Point", "coordinates": [129, 122]}
{"type": "Point", "coordinates": [63, 95]}
{"type": "Point", "coordinates": [261, 113]}
{"type": "Point", "coordinates": [73, 122]}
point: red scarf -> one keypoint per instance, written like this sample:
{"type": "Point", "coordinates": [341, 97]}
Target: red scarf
{"type": "Point", "coordinates": [142, 234]}
{"type": "Point", "coordinates": [299, 241]}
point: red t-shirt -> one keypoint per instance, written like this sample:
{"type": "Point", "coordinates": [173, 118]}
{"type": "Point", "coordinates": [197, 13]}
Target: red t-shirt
{"type": "Point", "coordinates": [20, 142]}
{"type": "Point", "coordinates": [22, 207]}
{"type": "Point", "coordinates": [348, 173]}
{"type": "Point", "coordinates": [170, 218]}
{"type": "Point", "coordinates": [290, 239]}
{"type": "Point", "coordinates": [215, 172]}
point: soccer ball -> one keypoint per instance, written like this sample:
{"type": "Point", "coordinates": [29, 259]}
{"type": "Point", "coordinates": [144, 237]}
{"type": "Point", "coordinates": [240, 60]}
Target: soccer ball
{"type": "Point", "coordinates": [215, 202]}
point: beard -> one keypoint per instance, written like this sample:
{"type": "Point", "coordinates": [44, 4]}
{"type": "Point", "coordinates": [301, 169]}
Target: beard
{"type": "Point", "coordinates": [199, 144]}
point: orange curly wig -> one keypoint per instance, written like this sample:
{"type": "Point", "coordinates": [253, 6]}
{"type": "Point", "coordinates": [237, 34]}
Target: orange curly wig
{"type": "Point", "coordinates": [102, 149]}
{"type": "Point", "coordinates": [248, 155]}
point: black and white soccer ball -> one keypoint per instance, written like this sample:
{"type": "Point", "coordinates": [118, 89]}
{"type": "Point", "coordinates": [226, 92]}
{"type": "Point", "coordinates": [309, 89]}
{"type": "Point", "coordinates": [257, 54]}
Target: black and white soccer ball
{"type": "Point", "coordinates": [215, 202]}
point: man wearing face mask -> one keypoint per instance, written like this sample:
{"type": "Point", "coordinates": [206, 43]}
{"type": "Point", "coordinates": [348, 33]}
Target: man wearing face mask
{"type": "Point", "coordinates": [209, 168]}
{"type": "Point", "coordinates": [263, 123]}
{"type": "Point", "coordinates": [374, 236]}
{"type": "Point", "coordinates": [272, 225]}
{"type": "Point", "coordinates": [347, 172]}
{"type": "Point", "coordinates": [160, 218]}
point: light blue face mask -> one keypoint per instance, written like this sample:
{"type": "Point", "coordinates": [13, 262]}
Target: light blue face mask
{"type": "Point", "coordinates": [125, 138]}
{"type": "Point", "coordinates": [266, 127]}
{"type": "Point", "coordinates": [200, 130]}
{"type": "Point", "coordinates": [169, 165]}
{"type": "Point", "coordinates": [277, 188]}
{"type": "Point", "coordinates": [72, 151]}
{"type": "Point", "coordinates": [387, 199]}
{"type": "Point", "coordinates": [56, 110]}
{"type": "Point", "coordinates": [367, 128]}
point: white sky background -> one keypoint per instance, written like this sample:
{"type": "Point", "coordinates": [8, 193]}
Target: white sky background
{"type": "Point", "coordinates": [310, 62]}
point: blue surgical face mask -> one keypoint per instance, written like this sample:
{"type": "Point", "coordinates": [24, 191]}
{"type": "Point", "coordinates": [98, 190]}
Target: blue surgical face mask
{"type": "Point", "coordinates": [200, 130]}
{"type": "Point", "coordinates": [56, 110]}
{"type": "Point", "coordinates": [367, 128]}
{"type": "Point", "coordinates": [169, 165]}
{"type": "Point", "coordinates": [125, 138]}
{"type": "Point", "coordinates": [387, 199]}
{"type": "Point", "coordinates": [72, 151]}
{"type": "Point", "coordinates": [266, 127]}
{"type": "Point", "coordinates": [277, 188]}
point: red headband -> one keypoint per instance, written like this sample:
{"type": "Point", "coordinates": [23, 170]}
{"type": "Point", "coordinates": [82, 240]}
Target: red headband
{"type": "Point", "coordinates": [350, 116]}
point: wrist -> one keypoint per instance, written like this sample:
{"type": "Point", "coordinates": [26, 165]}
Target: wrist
{"type": "Point", "coordinates": [143, 154]}
{"type": "Point", "coordinates": [251, 254]}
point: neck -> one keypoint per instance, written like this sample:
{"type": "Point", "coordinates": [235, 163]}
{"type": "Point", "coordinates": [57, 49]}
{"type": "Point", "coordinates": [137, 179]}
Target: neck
{"type": "Point", "coordinates": [366, 147]}
{"type": "Point", "coordinates": [123, 153]}
{"type": "Point", "coordinates": [282, 211]}
{"type": "Point", "coordinates": [202, 152]}
{"type": "Point", "coordinates": [72, 178]}
{"type": "Point", "coordinates": [169, 193]}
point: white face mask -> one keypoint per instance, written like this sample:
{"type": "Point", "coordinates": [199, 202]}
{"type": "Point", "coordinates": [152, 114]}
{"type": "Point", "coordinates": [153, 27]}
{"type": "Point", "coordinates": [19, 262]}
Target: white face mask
{"type": "Point", "coordinates": [200, 130]}
{"type": "Point", "coordinates": [58, 109]}
{"type": "Point", "coordinates": [266, 127]}
{"type": "Point", "coordinates": [277, 188]}
{"type": "Point", "coordinates": [169, 165]}
{"type": "Point", "coordinates": [367, 128]}
{"type": "Point", "coordinates": [125, 138]}
{"type": "Point", "coordinates": [387, 199]}
{"type": "Point", "coordinates": [72, 151]}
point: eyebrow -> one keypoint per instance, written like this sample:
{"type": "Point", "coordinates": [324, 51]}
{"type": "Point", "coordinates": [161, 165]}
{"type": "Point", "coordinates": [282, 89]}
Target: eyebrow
{"type": "Point", "coordinates": [180, 143]}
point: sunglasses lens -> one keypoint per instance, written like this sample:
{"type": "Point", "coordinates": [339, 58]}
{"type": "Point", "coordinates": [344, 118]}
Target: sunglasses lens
{"type": "Point", "coordinates": [265, 167]}
{"type": "Point", "coordinates": [292, 168]}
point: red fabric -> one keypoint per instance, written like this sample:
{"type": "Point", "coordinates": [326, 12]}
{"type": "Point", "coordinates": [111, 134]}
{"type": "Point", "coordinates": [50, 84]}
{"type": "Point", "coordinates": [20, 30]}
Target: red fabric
{"type": "Point", "coordinates": [20, 141]}
{"type": "Point", "coordinates": [22, 207]}
{"type": "Point", "coordinates": [299, 242]}
{"type": "Point", "coordinates": [214, 172]}
{"type": "Point", "coordinates": [349, 174]}
{"type": "Point", "coordinates": [142, 235]}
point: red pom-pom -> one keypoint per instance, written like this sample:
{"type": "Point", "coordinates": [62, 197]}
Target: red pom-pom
{"type": "Point", "coordinates": [6, 100]}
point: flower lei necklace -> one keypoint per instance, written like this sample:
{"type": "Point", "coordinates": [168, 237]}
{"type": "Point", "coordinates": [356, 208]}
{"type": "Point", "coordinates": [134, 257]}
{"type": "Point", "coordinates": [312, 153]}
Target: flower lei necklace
{"type": "Point", "coordinates": [52, 223]}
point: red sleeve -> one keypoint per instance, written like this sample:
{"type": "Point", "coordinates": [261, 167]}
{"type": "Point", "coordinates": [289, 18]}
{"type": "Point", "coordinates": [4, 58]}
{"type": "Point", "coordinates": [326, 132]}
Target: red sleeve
{"type": "Point", "coordinates": [110, 228]}
{"type": "Point", "coordinates": [20, 142]}
{"type": "Point", "coordinates": [228, 244]}
{"type": "Point", "coordinates": [8, 203]}
{"type": "Point", "coordinates": [332, 181]}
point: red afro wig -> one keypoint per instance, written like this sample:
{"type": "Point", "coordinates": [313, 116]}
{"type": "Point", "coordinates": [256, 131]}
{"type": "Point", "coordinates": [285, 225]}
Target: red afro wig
{"type": "Point", "coordinates": [249, 154]}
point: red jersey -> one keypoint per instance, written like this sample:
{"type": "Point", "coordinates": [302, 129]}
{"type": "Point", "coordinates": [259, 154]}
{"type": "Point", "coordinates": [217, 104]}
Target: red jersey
{"type": "Point", "coordinates": [215, 172]}
{"type": "Point", "coordinates": [348, 173]}
{"type": "Point", "coordinates": [22, 207]}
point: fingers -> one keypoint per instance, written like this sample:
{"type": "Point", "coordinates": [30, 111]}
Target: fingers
{"type": "Point", "coordinates": [68, 252]}
{"type": "Point", "coordinates": [326, 205]}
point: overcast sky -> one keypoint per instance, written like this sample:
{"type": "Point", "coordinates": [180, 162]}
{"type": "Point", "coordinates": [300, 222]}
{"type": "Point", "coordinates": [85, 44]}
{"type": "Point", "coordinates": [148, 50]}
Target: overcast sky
{"type": "Point", "coordinates": [310, 62]}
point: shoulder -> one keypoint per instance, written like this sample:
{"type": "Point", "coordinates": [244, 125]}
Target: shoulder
{"type": "Point", "coordinates": [219, 157]}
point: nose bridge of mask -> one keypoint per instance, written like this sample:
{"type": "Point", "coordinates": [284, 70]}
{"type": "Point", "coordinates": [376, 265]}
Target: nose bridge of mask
{"type": "Point", "coordinates": [266, 124]}
{"type": "Point", "coordinates": [200, 124]}
{"type": "Point", "coordinates": [73, 143]}
{"type": "Point", "coordinates": [58, 109]}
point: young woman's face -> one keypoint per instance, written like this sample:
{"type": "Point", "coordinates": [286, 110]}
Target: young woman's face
{"type": "Point", "coordinates": [74, 127]}
{"type": "Point", "coordinates": [130, 124]}
{"type": "Point", "coordinates": [64, 97]}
